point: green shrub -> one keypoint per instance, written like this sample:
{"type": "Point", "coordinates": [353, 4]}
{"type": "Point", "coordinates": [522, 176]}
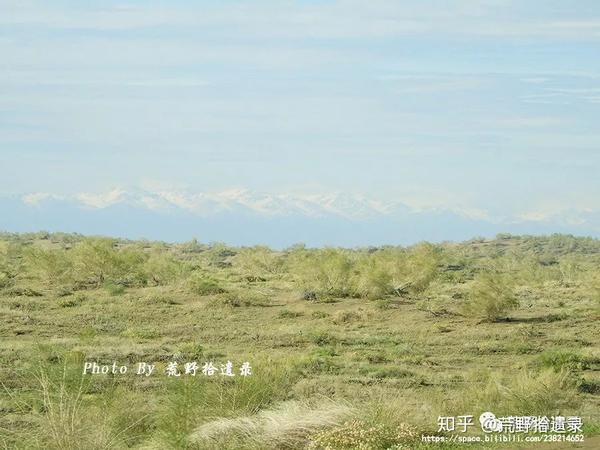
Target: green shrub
{"type": "Point", "coordinates": [53, 266]}
{"type": "Point", "coordinates": [560, 360]}
{"type": "Point", "coordinates": [202, 285]}
{"type": "Point", "coordinates": [114, 289]}
{"type": "Point", "coordinates": [396, 271]}
{"type": "Point", "coordinates": [161, 269]}
{"type": "Point", "coordinates": [422, 267]}
{"type": "Point", "coordinates": [259, 260]}
{"type": "Point", "coordinates": [97, 260]}
{"type": "Point", "coordinates": [72, 300]}
{"type": "Point", "coordinates": [5, 264]}
{"type": "Point", "coordinates": [374, 277]}
{"type": "Point", "coordinates": [324, 273]}
{"type": "Point", "coordinates": [595, 292]}
{"type": "Point", "coordinates": [490, 297]}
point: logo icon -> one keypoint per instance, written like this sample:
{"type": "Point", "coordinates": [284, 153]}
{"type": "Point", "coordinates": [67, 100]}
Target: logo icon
{"type": "Point", "coordinates": [489, 423]}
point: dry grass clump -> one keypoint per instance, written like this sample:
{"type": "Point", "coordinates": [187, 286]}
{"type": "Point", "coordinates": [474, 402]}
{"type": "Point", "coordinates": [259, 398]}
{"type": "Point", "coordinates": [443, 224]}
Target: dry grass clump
{"type": "Point", "coordinates": [288, 425]}
{"type": "Point", "coordinates": [68, 420]}
{"type": "Point", "coordinates": [546, 392]}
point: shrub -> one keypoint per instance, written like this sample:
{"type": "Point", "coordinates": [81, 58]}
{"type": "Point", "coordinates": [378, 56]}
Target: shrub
{"type": "Point", "coordinates": [570, 270]}
{"type": "Point", "coordinates": [72, 300]}
{"type": "Point", "coordinates": [422, 265]}
{"type": "Point", "coordinates": [162, 269]}
{"type": "Point", "coordinates": [322, 338]}
{"type": "Point", "coordinates": [490, 297]}
{"type": "Point", "coordinates": [201, 285]}
{"type": "Point", "coordinates": [5, 264]}
{"type": "Point", "coordinates": [51, 266]}
{"type": "Point", "coordinates": [595, 292]}
{"type": "Point", "coordinates": [560, 360]}
{"type": "Point", "coordinates": [396, 271]}
{"type": "Point", "coordinates": [97, 260]}
{"type": "Point", "coordinates": [325, 273]}
{"type": "Point", "coordinates": [259, 260]}
{"type": "Point", "coordinates": [114, 289]}
{"type": "Point", "coordinates": [374, 278]}
{"type": "Point", "coordinates": [217, 255]}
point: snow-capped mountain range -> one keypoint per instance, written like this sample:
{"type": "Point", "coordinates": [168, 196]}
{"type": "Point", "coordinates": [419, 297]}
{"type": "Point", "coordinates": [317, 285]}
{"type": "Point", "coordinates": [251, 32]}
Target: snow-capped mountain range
{"type": "Point", "coordinates": [228, 201]}
{"type": "Point", "coordinates": [243, 217]}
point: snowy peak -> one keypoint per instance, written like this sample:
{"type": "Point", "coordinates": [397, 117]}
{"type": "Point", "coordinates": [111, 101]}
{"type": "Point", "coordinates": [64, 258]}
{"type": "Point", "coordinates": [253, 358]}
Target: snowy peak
{"type": "Point", "coordinates": [229, 201]}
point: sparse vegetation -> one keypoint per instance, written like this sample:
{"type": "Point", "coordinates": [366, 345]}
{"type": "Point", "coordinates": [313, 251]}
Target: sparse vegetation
{"type": "Point", "coordinates": [350, 348]}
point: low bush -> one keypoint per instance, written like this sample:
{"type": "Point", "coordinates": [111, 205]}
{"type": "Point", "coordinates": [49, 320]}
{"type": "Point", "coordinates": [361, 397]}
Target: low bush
{"type": "Point", "coordinates": [560, 360]}
{"type": "Point", "coordinates": [114, 289]}
{"type": "Point", "coordinates": [161, 269]}
{"type": "Point", "coordinates": [51, 266]}
{"type": "Point", "coordinates": [72, 300]}
{"type": "Point", "coordinates": [259, 260]}
{"type": "Point", "coordinates": [202, 285]}
{"type": "Point", "coordinates": [324, 273]}
{"type": "Point", "coordinates": [490, 297]}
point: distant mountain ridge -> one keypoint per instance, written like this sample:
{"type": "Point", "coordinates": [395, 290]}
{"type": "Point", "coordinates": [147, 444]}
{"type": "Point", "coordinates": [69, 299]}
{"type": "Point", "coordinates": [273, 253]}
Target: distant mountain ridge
{"type": "Point", "coordinates": [242, 217]}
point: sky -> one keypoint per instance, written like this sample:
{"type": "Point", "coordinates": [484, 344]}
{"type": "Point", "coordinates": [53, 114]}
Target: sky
{"type": "Point", "coordinates": [486, 111]}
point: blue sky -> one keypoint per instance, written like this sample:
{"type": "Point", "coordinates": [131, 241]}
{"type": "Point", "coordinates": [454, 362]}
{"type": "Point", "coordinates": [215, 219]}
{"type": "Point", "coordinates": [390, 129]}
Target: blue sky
{"type": "Point", "coordinates": [486, 109]}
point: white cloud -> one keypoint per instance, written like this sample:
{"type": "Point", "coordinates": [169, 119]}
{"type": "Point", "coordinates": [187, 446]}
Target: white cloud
{"type": "Point", "coordinates": [529, 122]}
{"type": "Point", "coordinates": [340, 19]}
{"type": "Point", "coordinates": [565, 96]}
